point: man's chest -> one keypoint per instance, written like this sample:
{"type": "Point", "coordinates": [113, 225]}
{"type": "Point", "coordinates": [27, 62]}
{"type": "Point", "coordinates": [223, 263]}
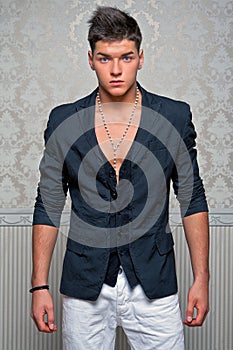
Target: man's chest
{"type": "Point", "coordinates": [116, 134]}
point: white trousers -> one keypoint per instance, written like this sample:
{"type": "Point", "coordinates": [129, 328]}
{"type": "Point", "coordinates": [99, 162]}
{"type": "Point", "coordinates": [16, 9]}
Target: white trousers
{"type": "Point", "coordinates": [148, 324]}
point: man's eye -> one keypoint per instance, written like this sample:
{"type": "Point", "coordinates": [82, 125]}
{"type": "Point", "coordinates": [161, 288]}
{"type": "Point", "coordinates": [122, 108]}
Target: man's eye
{"type": "Point", "coordinates": [127, 59]}
{"type": "Point", "coordinates": [104, 59]}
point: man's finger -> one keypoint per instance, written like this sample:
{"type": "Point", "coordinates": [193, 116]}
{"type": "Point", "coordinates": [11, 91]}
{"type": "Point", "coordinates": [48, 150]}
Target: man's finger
{"type": "Point", "coordinates": [189, 312]}
{"type": "Point", "coordinates": [40, 323]}
{"type": "Point", "coordinates": [51, 321]}
{"type": "Point", "coordinates": [195, 321]}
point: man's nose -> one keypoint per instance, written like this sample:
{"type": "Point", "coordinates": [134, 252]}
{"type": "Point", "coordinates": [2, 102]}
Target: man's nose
{"type": "Point", "coordinates": [116, 68]}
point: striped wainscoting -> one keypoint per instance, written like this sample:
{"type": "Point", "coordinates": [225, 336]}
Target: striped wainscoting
{"type": "Point", "coordinates": [217, 332]}
{"type": "Point", "coordinates": [17, 331]}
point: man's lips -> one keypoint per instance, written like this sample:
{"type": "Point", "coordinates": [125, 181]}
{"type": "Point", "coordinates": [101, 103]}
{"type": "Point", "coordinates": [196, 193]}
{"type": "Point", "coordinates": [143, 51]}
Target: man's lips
{"type": "Point", "coordinates": [116, 82]}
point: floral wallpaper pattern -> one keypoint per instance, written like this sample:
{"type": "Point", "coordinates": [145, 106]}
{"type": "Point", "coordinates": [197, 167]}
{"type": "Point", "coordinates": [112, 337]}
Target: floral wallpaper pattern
{"type": "Point", "coordinates": [43, 63]}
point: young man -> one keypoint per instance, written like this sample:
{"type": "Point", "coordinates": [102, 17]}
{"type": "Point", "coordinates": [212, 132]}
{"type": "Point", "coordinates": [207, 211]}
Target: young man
{"type": "Point", "coordinates": [116, 151]}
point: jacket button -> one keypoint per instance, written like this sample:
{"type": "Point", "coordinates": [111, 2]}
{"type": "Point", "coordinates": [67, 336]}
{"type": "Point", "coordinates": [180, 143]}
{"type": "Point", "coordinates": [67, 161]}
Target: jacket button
{"type": "Point", "coordinates": [112, 173]}
{"type": "Point", "coordinates": [114, 194]}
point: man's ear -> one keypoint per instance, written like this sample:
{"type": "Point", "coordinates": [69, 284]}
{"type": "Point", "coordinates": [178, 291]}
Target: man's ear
{"type": "Point", "coordinates": [90, 59]}
{"type": "Point", "coordinates": [141, 59]}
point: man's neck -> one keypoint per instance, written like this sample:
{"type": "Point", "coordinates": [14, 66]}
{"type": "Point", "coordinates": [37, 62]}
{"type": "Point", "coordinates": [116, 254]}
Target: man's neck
{"type": "Point", "coordinates": [128, 97]}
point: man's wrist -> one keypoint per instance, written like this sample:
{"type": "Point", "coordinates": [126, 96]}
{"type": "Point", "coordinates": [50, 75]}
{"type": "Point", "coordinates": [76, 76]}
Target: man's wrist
{"type": "Point", "coordinates": [41, 287]}
{"type": "Point", "coordinates": [202, 278]}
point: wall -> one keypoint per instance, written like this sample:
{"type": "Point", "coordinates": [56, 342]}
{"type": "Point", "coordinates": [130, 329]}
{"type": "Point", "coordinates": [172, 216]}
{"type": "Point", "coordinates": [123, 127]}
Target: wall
{"type": "Point", "coordinates": [43, 63]}
{"type": "Point", "coordinates": [188, 47]}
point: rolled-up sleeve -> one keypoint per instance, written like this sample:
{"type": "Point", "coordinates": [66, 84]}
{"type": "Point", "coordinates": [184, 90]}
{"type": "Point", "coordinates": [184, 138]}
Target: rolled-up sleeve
{"type": "Point", "coordinates": [187, 183]}
{"type": "Point", "coordinates": [52, 188]}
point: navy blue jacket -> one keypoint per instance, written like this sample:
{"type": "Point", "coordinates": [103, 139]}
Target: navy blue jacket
{"type": "Point", "coordinates": [132, 216]}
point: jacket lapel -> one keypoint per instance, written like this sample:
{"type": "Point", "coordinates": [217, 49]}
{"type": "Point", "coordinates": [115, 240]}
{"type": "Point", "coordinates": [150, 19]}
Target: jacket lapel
{"type": "Point", "coordinates": [86, 112]}
{"type": "Point", "coordinates": [151, 105]}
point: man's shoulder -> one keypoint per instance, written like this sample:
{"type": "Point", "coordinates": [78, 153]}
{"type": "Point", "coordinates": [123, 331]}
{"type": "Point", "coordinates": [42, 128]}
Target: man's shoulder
{"type": "Point", "coordinates": [177, 113]}
{"type": "Point", "coordinates": [165, 102]}
{"type": "Point", "coordinates": [66, 110]}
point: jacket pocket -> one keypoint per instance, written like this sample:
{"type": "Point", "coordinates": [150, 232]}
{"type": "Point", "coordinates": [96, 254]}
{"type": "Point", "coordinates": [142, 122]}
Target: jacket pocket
{"type": "Point", "coordinates": [164, 243]}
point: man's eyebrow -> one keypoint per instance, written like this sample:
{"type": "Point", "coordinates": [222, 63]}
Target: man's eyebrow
{"type": "Point", "coordinates": [107, 55]}
{"type": "Point", "coordinates": [127, 53]}
{"type": "Point", "coordinates": [103, 54]}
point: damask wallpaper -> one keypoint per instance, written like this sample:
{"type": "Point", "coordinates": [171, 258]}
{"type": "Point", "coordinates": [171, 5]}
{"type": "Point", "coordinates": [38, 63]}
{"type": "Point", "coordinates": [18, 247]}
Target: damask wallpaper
{"type": "Point", "coordinates": [43, 63]}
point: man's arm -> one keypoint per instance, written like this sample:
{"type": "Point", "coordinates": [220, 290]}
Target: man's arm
{"type": "Point", "coordinates": [197, 235]}
{"type": "Point", "coordinates": [43, 242]}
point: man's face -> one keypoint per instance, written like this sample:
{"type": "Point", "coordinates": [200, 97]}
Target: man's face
{"type": "Point", "coordinates": [116, 64]}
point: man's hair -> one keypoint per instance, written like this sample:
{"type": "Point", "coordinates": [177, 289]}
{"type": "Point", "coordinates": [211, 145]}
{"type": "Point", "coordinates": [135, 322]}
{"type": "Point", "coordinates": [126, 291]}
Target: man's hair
{"type": "Point", "coordinates": [111, 24]}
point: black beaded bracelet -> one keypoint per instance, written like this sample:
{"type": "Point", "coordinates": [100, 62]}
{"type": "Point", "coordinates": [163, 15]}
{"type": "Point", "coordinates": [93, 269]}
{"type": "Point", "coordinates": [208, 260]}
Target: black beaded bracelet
{"type": "Point", "coordinates": [45, 286]}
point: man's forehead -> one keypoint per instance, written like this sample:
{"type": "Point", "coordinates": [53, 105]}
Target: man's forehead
{"type": "Point", "coordinates": [116, 46]}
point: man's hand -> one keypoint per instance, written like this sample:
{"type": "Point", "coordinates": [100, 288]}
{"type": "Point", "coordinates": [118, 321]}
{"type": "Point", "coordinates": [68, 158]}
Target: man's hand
{"type": "Point", "coordinates": [197, 301]}
{"type": "Point", "coordinates": [42, 307]}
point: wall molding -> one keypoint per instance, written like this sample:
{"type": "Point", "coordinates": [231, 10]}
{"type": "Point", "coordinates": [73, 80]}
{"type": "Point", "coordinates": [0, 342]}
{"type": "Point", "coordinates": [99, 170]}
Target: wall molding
{"type": "Point", "coordinates": [23, 217]}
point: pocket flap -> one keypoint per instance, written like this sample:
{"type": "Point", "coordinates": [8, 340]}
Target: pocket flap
{"type": "Point", "coordinates": [75, 246]}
